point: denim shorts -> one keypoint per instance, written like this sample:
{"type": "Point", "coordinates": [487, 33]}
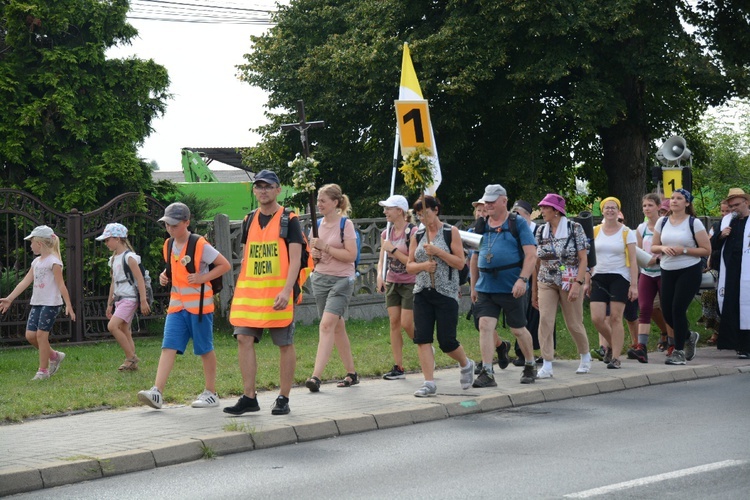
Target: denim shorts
{"type": "Point", "coordinates": [42, 318]}
{"type": "Point", "coordinates": [181, 326]}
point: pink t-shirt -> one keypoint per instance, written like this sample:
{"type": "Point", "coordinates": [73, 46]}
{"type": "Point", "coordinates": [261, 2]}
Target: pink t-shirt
{"type": "Point", "coordinates": [396, 269]}
{"type": "Point", "coordinates": [330, 234]}
{"type": "Point", "coordinates": [45, 291]}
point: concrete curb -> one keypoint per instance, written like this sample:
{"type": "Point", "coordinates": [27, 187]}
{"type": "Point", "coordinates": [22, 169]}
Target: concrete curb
{"type": "Point", "coordinates": [302, 428]}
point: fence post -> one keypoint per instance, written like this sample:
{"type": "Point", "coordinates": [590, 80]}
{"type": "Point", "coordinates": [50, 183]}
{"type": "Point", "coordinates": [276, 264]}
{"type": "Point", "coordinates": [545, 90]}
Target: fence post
{"type": "Point", "coordinates": [74, 274]}
{"type": "Point", "coordinates": [223, 243]}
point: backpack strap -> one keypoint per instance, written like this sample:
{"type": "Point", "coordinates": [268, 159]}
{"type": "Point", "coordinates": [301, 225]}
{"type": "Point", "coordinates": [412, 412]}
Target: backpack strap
{"type": "Point", "coordinates": [246, 222]}
{"type": "Point", "coordinates": [342, 223]}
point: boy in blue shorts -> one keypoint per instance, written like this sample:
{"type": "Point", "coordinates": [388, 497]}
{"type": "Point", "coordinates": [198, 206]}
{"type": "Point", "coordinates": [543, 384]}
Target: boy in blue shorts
{"type": "Point", "coordinates": [191, 306]}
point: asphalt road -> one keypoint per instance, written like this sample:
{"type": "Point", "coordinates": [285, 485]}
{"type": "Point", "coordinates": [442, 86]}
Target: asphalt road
{"type": "Point", "coordinates": [686, 440]}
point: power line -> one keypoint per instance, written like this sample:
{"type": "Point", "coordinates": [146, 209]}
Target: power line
{"type": "Point", "coordinates": [201, 11]}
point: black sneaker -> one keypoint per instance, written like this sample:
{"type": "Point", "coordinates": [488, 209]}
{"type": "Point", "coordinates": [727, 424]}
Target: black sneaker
{"type": "Point", "coordinates": [503, 360]}
{"type": "Point", "coordinates": [529, 374]}
{"type": "Point", "coordinates": [641, 353]}
{"type": "Point", "coordinates": [477, 368]}
{"type": "Point", "coordinates": [519, 361]}
{"type": "Point", "coordinates": [281, 406]}
{"type": "Point", "coordinates": [244, 405]}
{"type": "Point", "coordinates": [396, 373]}
{"type": "Point", "coordinates": [484, 380]}
{"type": "Point", "coordinates": [631, 351]}
{"type": "Point", "coordinates": [608, 355]}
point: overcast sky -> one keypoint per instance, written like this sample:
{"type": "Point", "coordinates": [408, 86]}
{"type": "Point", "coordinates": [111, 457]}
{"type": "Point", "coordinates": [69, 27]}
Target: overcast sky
{"type": "Point", "coordinates": [210, 107]}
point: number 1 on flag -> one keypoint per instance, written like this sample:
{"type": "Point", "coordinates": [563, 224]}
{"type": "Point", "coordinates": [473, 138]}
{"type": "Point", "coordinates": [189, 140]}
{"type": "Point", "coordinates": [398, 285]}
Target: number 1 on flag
{"type": "Point", "coordinates": [413, 118]}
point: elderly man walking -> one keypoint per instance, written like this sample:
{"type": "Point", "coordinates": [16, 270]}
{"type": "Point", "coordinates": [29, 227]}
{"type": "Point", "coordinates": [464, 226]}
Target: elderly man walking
{"type": "Point", "coordinates": [500, 274]}
{"type": "Point", "coordinates": [733, 244]}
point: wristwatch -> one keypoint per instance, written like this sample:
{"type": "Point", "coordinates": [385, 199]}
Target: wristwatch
{"type": "Point", "coordinates": [580, 282]}
{"type": "Point", "coordinates": [525, 280]}
{"type": "Point", "coordinates": [684, 250]}
{"type": "Point", "coordinates": [394, 250]}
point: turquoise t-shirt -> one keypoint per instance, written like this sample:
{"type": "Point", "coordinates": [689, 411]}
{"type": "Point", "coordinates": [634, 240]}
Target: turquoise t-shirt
{"type": "Point", "coordinates": [499, 248]}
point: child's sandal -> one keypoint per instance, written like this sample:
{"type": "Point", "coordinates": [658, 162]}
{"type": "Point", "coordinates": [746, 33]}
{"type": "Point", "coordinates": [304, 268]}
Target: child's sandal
{"type": "Point", "coordinates": [350, 380]}
{"type": "Point", "coordinates": [130, 365]}
{"type": "Point", "coordinates": [313, 383]}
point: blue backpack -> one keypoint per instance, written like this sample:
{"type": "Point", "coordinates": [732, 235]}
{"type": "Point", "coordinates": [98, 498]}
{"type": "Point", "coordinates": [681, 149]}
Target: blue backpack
{"type": "Point", "coordinates": [359, 241]}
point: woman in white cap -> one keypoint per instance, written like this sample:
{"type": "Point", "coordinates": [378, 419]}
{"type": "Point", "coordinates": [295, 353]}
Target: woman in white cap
{"type": "Point", "coordinates": [47, 298]}
{"type": "Point", "coordinates": [398, 285]}
{"type": "Point", "coordinates": [128, 288]}
{"type": "Point", "coordinates": [562, 248]}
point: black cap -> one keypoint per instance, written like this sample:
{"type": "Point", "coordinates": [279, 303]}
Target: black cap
{"type": "Point", "coordinates": [268, 177]}
{"type": "Point", "coordinates": [523, 204]}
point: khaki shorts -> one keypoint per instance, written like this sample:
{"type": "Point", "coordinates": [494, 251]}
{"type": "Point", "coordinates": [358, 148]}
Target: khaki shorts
{"type": "Point", "coordinates": [332, 293]}
{"type": "Point", "coordinates": [400, 295]}
{"type": "Point", "coordinates": [280, 336]}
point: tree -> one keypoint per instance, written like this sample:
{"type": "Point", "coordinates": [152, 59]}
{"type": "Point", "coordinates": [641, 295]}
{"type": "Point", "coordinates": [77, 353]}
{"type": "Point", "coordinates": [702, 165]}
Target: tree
{"type": "Point", "coordinates": [529, 94]}
{"type": "Point", "coordinates": [71, 119]}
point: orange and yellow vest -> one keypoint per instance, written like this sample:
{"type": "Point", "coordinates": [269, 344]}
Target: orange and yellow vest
{"type": "Point", "coordinates": [186, 295]}
{"type": "Point", "coordinates": [265, 267]}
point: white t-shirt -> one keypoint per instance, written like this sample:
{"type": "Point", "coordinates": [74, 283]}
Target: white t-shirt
{"type": "Point", "coordinates": [122, 287]}
{"type": "Point", "coordinates": [45, 292]}
{"type": "Point", "coordinates": [678, 235]}
{"type": "Point", "coordinates": [610, 253]}
{"type": "Point", "coordinates": [647, 237]}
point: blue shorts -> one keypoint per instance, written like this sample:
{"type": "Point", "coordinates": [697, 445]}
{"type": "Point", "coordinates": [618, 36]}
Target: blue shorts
{"type": "Point", "coordinates": [182, 326]}
{"type": "Point", "coordinates": [42, 318]}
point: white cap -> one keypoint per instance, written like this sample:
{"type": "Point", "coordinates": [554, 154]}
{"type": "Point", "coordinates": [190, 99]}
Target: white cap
{"type": "Point", "coordinates": [397, 201]}
{"type": "Point", "coordinates": [41, 232]}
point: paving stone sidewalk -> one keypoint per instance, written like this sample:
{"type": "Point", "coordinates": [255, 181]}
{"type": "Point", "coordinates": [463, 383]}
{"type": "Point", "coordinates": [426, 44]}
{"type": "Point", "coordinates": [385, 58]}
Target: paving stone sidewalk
{"type": "Point", "coordinates": [55, 451]}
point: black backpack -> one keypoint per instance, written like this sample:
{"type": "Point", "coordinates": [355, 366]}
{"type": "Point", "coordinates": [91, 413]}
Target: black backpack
{"type": "Point", "coordinates": [216, 283]}
{"type": "Point", "coordinates": [131, 279]}
{"type": "Point", "coordinates": [463, 274]}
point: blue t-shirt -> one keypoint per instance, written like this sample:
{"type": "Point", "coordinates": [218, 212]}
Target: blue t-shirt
{"type": "Point", "coordinates": [502, 249]}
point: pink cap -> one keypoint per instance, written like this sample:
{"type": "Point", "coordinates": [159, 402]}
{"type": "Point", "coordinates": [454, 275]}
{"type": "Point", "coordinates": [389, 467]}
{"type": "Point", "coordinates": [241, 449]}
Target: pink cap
{"type": "Point", "coordinates": [555, 201]}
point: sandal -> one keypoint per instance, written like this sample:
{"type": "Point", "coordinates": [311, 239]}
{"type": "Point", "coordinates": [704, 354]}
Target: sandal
{"type": "Point", "coordinates": [350, 380]}
{"type": "Point", "coordinates": [313, 383]}
{"type": "Point", "coordinates": [130, 364]}
{"type": "Point", "coordinates": [713, 340]}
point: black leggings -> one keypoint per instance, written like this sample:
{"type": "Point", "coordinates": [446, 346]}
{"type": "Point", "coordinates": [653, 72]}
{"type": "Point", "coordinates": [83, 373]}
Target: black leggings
{"type": "Point", "coordinates": [678, 288]}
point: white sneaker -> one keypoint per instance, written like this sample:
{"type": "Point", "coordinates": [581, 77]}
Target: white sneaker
{"type": "Point", "coordinates": [426, 390]}
{"type": "Point", "coordinates": [41, 375]}
{"type": "Point", "coordinates": [467, 375]}
{"type": "Point", "coordinates": [206, 399]}
{"type": "Point", "coordinates": [151, 397]}
{"type": "Point", "coordinates": [544, 373]}
{"type": "Point", "coordinates": [54, 365]}
{"type": "Point", "coordinates": [584, 367]}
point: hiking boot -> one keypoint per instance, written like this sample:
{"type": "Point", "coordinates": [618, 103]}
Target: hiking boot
{"type": "Point", "coordinates": [244, 405]}
{"type": "Point", "coordinates": [677, 358]}
{"type": "Point", "coordinates": [614, 364]}
{"type": "Point", "coordinates": [426, 390]}
{"type": "Point", "coordinates": [151, 397]}
{"type": "Point", "coordinates": [607, 355]}
{"type": "Point", "coordinates": [396, 373]}
{"type": "Point", "coordinates": [484, 380]}
{"type": "Point", "coordinates": [281, 406]}
{"type": "Point", "coordinates": [529, 374]}
{"type": "Point", "coordinates": [690, 344]}
{"type": "Point", "coordinates": [206, 399]}
{"type": "Point", "coordinates": [631, 351]}
{"type": "Point", "coordinates": [503, 360]}
{"type": "Point", "coordinates": [54, 365]}
{"type": "Point", "coordinates": [641, 353]}
{"type": "Point", "coordinates": [40, 375]}
{"type": "Point", "coordinates": [467, 375]}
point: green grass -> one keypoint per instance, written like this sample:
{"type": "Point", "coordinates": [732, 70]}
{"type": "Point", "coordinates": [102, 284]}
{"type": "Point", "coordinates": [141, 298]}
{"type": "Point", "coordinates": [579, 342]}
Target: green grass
{"type": "Point", "coordinates": [89, 378]}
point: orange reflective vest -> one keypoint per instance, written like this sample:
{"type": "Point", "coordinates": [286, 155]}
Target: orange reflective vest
{"type": "Point", "coordinates": [265, 267]}
{"type": "Point", "coordinates": [186, 295]}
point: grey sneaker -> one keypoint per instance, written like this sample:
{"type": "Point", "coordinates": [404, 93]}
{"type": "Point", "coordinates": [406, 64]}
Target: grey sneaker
{"type": "Point", "coordinates": [396, 373]}
{"type": "Point", "coordinates": [690, 343]}
{"type": "Point", "coordinates": [467, 375]}
{"type": "Point", "coordinates": [40, 375]}
{"type": "Point", "coordinates": [426, 390]}
{"type": "Point", "coordinates": [484, 380]}
{"type": "Point", "coordinates": [151, 397]}
{"type": "Point", "coordinates": [54, 365]}
{"type": "Point", "coordinates": [677, 358]}
{"type": "Point", "coordinates": [529, 374]}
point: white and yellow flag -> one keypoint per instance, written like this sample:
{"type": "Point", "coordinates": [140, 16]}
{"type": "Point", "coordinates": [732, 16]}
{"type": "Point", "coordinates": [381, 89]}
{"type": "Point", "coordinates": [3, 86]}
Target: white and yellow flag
{"type": "Point", "coordinates": [415, 126]}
